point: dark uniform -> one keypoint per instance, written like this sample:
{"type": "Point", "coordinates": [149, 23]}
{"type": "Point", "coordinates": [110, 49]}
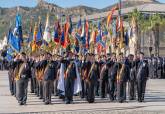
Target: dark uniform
{"type": "Point", "coordinates": [91, 81]}
{"type": "Point", "coordinates": [33, 77]}
{"type": "Point", "coordinates": [22, 76]}
{"type": "Point", "coordinates": [122, 78]}
{"type": "Point", "coordinates": [104, 80]}
{"type": "Point", "coordinates": [39, 76]}
{"type": "Point", "coordinates": [112, 79]}
{"type": "Point", "coordinates": [83, 71]}
{"type": "Point", "coordinates": [50, 69]}
{"type": "Point", "coordinates": [69, 78]}
{"type": "Point", "coordinates": [132, 80]}
{"type": "Point", "coordinates": [11, 77]}
{"type": "Point", "coordinates": [142, 76]}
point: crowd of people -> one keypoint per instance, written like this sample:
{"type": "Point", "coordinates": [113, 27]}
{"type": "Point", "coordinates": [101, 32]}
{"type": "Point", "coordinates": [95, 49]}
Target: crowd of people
{"type": "Point", "coordinates": [94, 75]}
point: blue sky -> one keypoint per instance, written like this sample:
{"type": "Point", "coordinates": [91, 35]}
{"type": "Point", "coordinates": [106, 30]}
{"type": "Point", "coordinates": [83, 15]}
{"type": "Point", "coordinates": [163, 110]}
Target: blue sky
{"type": "Point", "coordinates": [62, 3]}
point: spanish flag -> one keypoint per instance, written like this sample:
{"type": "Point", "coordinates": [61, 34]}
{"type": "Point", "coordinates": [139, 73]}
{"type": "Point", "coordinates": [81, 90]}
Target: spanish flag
{"type": "Point", "coordinates": [110, 14]}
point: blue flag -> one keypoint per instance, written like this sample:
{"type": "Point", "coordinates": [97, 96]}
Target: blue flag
{"type": "Point", "coordinates": [126, 38]}
{"type": "Point", "coordinates": [79, 24]}
{"type": "Point", "coordinates": [9, 56]}
{"type": "Point", "coordinates": [39, 33]}
{"type": "Point", "coordinates": [16, 38]}
{"type": "Point", "coordinates": [14, 42]}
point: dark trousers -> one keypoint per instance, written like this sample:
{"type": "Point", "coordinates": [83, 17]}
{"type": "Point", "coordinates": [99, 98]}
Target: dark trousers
{"type": "Point", "coordinates": [141, 86]}
{"type": "Point", "coordinates": [90, 91]}
{"type": "Point", "coordinates": [21, 90]}
{"type": "Point", "coordinates": [47, 86]}
{"type": "Point", "coordinates": [103, 87]}
{"type": "Point", "coordinates": [97, 88]}
{"type": "Point", "coordinates": [14, 88]}
{"type": "Point", "coordinates": [121, 91]}
{"type": "Point", "coordinates": [55, 87]}
{"type": "Point", "coordinates": [69, 90]}
{"type": "Point", "coordinates": [11, 85]}
{"type": "Point", "coordinates": [37, 88]}
{"type": "Point", "coordinates": [132, 89]}
{"type": "Point", "coordinates": [40, 87]}
{"type": "Point", "coordinates": [83, 92]}
{"type": "Point", "coordinates": [112, 86]}
{"type": "Point", "coordinates": [163, 72]}
{"type": "Point", "coordinates": [33, 85]}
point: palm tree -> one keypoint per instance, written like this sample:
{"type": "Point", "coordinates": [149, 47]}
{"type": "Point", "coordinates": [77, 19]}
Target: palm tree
{"type": "Point", "coordinates": [148, 24]}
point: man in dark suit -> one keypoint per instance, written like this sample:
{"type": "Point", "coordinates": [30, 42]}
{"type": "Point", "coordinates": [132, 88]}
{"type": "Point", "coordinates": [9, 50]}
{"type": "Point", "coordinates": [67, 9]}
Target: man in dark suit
{"type": "Point", "coordinates": [142, 77]}
{"type": "Point", "coordinates": [132, 79]}
{"type": "Point", "coordinates": [22, 76]}
{"type": "Point", "coordinates": [49, 75]}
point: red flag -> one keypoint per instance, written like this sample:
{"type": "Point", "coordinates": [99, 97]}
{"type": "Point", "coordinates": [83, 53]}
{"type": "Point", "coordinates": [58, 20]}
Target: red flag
{"type": "Point", "coordinates": [110, 14]}
{"type": "Point", "coordinates": [87, 33]}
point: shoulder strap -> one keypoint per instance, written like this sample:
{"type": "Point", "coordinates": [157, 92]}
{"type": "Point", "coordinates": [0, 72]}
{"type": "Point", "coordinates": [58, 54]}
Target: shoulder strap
{"type": "Point", "coordinates": [21, 69]}
{"type": "Point", "coordinates": [47, 66]}
{"type": "Point", "coordinates": [90, 70]}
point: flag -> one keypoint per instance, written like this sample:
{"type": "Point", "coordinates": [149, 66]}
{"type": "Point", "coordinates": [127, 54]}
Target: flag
{"type": "Point", "coordinates": [15, 39]}
{"type": "Point", "coordinates": [79, 27]}
{"type": "Point", "coordinates": [57, 32]}
{"type": "Point", "coordinates": [70, 25]}
{"type": "Point", "coordinates": [66, 33]}
{"type": "Point", "coordinates": [77, 84]}
{"type": "Point", "coordinates": [99, 36]}
{"type": "Point", "coordinates": [110, 14]}
{"type": "Point", "coordinates": [87, 33]}
{"type": "Point", "coordinates": [39, 33]}
{"type": "Point", "coordinates": [47, 34]}
{"type": "Point", "coordinates": [126, 38]}
{"type": "Point", "coordinates": [103, 44]}
{"type": "Point", "coordinates": [62, 37]}
{"type": "Point", "coordinates": [93, 36]}
{"type": "Point", "coordinates": [122, 40]}
{"type": "Point", "coordinates": [9, 53]}
{"type": "Point", "coordinates": [35, 33]}
{"type": "Point", "coordinates": [18, 28]}
{"type": "Point", "coordinates": [14, 42]}
{"type": "Point", "coordinates": [78, 37]}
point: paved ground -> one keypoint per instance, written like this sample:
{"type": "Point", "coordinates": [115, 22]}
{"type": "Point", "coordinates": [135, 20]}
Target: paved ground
{"type": "Point", "coordinates": [155, 102]}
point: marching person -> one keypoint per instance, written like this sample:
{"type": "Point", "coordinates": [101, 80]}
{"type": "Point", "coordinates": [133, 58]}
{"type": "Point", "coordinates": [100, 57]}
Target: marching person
{"type": "Point", "coordinates": [49, 75]}
{"type": "Point", "coordinates": [104, 80]}
{"type": "Point", "coordinates": [122, 78]}
{"type": "Point", "coordinates": [132, 79]}
{"type": "Point", "coordinates": [22, 76]}
{"type": "Point", "coordinates": [11, 77]}
{"type": "Point", "coordinates": [142, 77]}
{"type": "Point", "coordinates": [91, 79]}
{"type": "Point", "coordinates": [112, 76]}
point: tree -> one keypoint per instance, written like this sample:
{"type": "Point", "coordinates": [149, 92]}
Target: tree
{"type": "Point", "coordinates": [149, 23]}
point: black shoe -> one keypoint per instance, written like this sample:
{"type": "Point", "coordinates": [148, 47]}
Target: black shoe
{"type": "Point", "coordinates": [40, 97]}
{"type": "Point", "coordinates": [21, 103]}
{"type": "Point", "coordinates": [46, 103]}
{"type": "Point", "coordinates": [120, 101]}
{"type": "Point", "coordinates": [67, 102]}
{"type": "Point", "coordinates": [24, 103]}
{"type": "Point", "coordinates": [131, 99]}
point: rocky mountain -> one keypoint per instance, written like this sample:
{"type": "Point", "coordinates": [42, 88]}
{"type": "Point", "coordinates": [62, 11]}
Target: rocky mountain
{"type": "Point", "coordinates": [7, 15]}
{"type": "Point", "coordinates": [131, 3]}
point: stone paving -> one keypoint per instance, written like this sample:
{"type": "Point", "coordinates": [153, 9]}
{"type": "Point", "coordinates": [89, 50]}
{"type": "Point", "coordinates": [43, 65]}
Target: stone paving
{"type": "Point", "coordinates": [154, 102]}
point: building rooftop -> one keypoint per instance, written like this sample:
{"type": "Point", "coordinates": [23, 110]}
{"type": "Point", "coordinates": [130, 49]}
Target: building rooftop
{"type": "Point", "coordinates": [146, 8]}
